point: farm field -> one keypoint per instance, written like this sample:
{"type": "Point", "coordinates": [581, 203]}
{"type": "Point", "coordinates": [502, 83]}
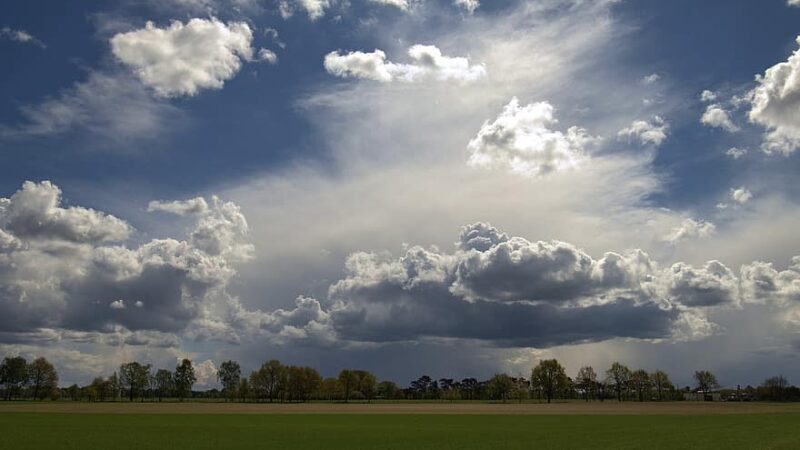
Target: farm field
{"type": "Point", "coordinates": [400, 426]}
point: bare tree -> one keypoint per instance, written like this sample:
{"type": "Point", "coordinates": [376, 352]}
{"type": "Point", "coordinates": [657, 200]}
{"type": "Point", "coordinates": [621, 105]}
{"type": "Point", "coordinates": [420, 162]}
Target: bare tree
{"type": "Point", "coordinates": [586, 380]}
{"type": "Point", "coordinates": [42, 377]}
{"type": "Point", "coordinates": [661, 383]}
{"type": "Point", "coordinates": [706, 381]}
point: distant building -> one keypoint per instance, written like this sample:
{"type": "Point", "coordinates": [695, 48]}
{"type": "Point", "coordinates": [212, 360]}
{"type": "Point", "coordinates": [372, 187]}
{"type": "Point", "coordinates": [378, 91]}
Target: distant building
{"type": "Point", "coordinates": [700, 397]}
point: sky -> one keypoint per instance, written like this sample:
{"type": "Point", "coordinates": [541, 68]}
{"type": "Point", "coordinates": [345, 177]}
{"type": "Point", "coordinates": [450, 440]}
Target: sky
{"type": "Point", "coordinates": [443, 187]}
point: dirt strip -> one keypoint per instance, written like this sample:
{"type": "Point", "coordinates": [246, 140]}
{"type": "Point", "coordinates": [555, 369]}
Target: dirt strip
{"type": "Point", "coordinates": [569, 408]}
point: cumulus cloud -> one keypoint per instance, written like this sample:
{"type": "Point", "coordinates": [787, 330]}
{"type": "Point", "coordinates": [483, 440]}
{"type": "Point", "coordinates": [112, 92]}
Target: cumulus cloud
{"type": "Point", "coordinates": [63, 270]}
{"type": "Point", "coordinates": [515, 292]}
{"type": "Point", "coordinates": [793, 2]}
{"type": "Point", "coordinates": [647, 132]}
{"type": "Point", "coordinates": [708, 96]}
{"type": "Point", "coordinates": [400, 4]}
{"type": "Point", "coordinates": [691, 229]}
{"type": "Point", "coordinates": [736, 152]}
{"type": "Point", "coordinates": [21, 36]}
{"type": "Point", "coordinates": [775, 104]}
{"type": "Point", "coordinates": [718, 117]}
{"type": "Point", "coordinates": [467, 5]}
{"type": "Point", "coordinates": [183, 59]}
{"type": "Point", "coordinates": [314, 8]}
{"type": "Point", "coordinates": [651, 79]}
{"type": "Point", "coordinates": [741, 195]}
{"type": "Point", "coordinates": [427, 62]}
{"type": "Point", "coordinates": [267, 56]}
{"type": "Point", "coordinates": [34, 212]}
{"type": "Point", "coordinates": [197, 205]}
{"type": "Point", "coordinates": [521, 140]}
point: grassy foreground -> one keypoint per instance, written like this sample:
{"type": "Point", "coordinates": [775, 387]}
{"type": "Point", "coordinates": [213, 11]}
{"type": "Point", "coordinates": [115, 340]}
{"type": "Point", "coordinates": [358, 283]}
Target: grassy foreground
{"type": "Point", "coordinates": [344, 431]}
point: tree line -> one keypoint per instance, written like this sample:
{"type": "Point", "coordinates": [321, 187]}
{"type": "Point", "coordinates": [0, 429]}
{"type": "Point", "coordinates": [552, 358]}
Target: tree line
{"type": "Point", "coordinates": [274, 381]}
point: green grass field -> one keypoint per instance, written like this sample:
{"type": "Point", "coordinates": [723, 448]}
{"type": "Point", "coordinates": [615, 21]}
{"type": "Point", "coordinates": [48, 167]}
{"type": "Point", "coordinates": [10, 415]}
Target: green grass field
{"type": "Point", "coordinates": [20, 431]}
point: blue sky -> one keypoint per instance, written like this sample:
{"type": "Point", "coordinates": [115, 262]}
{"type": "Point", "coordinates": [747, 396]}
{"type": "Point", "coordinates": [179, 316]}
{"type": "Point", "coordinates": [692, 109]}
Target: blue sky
{"type": "Point", "coordinates": [422, 186]}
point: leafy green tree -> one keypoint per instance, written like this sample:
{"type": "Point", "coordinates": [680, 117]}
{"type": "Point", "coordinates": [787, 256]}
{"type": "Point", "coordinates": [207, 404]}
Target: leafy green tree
{"type": "Point", "coordinates": [269, 380]}
{"type": "Point", "coordinates": [550, 377]}
{"type": "Point", "coordinates": [101, 388]}
{"type": "Point", "coordinates": [13, 375]}
{"type": "Point", "coordinates": [388, 390]}
{"type": "Point", "coordinates": [113, 382]}
{"type": "Point", "coordinates": [184, 378]}
{"type": "Point", "coordinates": [42, 377]}
{"type": "Point", "coordinates": [586, 381]}
{"type": "Point", "coordinates": [134, 377]}
{"type": "Point", "coordinates": [366, 383]}
{"type": "Point", "coordinates": [229, 375]}
{"type": "Point", "coordinates": [330, 389]}
{"type": "Point", "coordinates": [244, 389]}
{"type": "Point", "coordinates": [164, 383]}
{"type": "Point", "coordinates": [706, 381]}
{"type": "Point", "coordinates": [661, 383]}
{"type": "Point", "coordinates": [619, 376]}
{"type": "Point", "coordinates": [500, 386]}
{"type": "Point", "coordinates": [348, 380]}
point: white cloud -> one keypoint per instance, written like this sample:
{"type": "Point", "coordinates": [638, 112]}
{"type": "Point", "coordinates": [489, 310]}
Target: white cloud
{"type": "Point", "coordinates": [427, 61]}
{"type": "Point", "coordinates": [20, 36]}
{"type": "Point", "coordinates": [400, 4]}
{"type": "Point", "coordinates": [717, 116]}
{"type": "Point", "coordinates": [648, 132]}
{"type": "Point", "coordinates": [314, 8]}
{"type": "Point", "coordinates": [776, 105]}
{"type": "Point", "coordinates": [708, 96]}
{"type": "Point", "coordinates": [467, 5]}
{"type": "Point", "coordinates": [268, 56]}
{"type": "Point", "coordinates": [197, 205]}
{"type": "Point", "coordinates": [520, 140]}
{"type": "Point", "coordinates": [741, 195]}
{"type": "Point", "coordinates": [66, 270]}
{"type": "Point", "coordinates": [793, 2]}
{"type": "Point", "coordinates": [117, 304]}
{"type": "Point", "coordinates": [183, 59]}
{"type": "Point", "coordinates": [113, 106]}
{"type": "Point", "coordinates": [691, 229]}
{"type": "Point", "coordinates": [736, 152]}
{"type": "Point", "coordinates": [35, 212]}
{"type": "Point", "coordinates": [651, 79]}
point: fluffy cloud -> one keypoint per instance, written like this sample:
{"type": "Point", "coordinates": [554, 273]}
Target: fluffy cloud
{"type": "Point", "coordinates": [267, 56]}
{"type": "Point", "coordinates": [736, 152]}
{"type": "Point", "coordinates": [718, 117]}
{"type": "Point", "coordinates": [776, 105]}
{"type": "Point", "coordinates": [20, 36]}
{"type": "Point", "coordinates": [651, 79]}
{"type": "Point", "coordinates": [401, 4]}
{"type": "Point", "coordinates": [183, 59]}
{"type": "Point", "coordinates": [314, 8]}
{"type": "Point", "coordinates": [515, 292]}
{"type": "Point", "coordinates": [520, 140]}
{"type": "Point", "coordinates": [467, 5]}
{"type": "Point", "coordinates": [34, 212]}
{"type": "Point", "coordinates": [197, 205]}
{"type": "Point", "coordinates": [61, 272]}
{"type": "Point", "coordinates": [691, 229]}
{"type": "Point", "coordinates": [708, 96]}
{"type": "Point", "coordinates": [741, 195]}
{"type": "Point", "coordinates": [427, 62]}
{"type": "Point", "coordinates": [647, 132]}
